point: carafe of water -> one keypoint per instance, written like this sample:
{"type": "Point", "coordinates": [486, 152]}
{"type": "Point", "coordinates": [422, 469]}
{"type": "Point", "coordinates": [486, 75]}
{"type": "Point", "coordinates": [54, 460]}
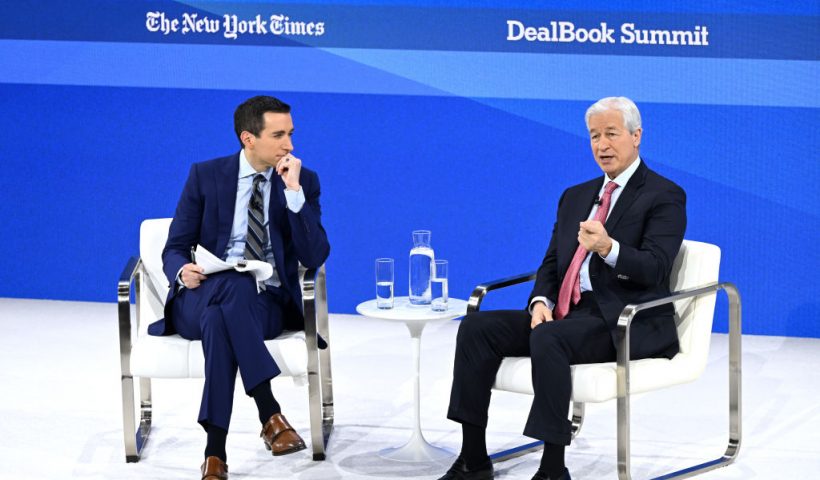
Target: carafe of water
{"type": "Point", "coordinates": [421, 268]}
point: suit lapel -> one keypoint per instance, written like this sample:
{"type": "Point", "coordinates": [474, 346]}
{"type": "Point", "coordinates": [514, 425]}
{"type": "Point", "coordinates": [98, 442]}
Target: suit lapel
{"type": "Point", "coordinates": [226, 193]}
{"type": "Point", "coordinates": [580, 206]}
{"type": "Point", "coordinates": [628, 196]}
{"type": "Point", "coordinates": [588, 197]}
{"type": "Point", "coordinates": [277, 197]}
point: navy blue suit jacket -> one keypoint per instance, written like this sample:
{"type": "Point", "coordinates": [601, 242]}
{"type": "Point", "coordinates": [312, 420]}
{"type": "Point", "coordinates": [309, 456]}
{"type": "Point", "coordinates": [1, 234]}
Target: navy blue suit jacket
{"type": "Point", "coordinates": [648, 220]}
{"type": "Point", "coordinates": [205, 214]}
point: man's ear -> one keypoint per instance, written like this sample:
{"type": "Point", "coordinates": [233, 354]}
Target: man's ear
{"type": "Point", "coordinates": [247, 138]}
{"type": "Point", "coordinates": [636, 137]}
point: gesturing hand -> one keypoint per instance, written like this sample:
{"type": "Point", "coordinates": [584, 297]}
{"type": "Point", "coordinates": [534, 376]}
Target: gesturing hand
{"type": "Point", "coordinates": [593, 237]}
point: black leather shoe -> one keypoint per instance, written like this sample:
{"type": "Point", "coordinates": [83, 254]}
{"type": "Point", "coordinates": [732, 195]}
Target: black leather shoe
{"type": "Point", "coordinates": [459, 472]}
{"type": "Point", "coordinates": [539, 475]}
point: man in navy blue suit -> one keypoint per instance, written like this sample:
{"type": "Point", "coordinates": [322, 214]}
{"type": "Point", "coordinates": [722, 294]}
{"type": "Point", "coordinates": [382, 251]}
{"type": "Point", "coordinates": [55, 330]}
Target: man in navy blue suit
{"type": "Point", "coordinates": [613, 243]}
{"type": "Point", "coordinates": [259, 203]}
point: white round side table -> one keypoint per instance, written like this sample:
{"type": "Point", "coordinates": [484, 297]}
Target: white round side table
{"type": "Point", "coordinates": [415, 317]}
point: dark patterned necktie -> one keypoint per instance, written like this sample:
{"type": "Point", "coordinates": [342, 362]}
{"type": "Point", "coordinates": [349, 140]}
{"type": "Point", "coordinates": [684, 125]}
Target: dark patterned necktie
{"type": "Point", "coordinates": [257, 236]}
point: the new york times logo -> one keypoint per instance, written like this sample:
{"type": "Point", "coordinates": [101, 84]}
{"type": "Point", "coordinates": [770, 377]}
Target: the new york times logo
{"type": "Point", "coordinates": [231, 26]}
{"type": "Point", "coordinates": [568, 32]}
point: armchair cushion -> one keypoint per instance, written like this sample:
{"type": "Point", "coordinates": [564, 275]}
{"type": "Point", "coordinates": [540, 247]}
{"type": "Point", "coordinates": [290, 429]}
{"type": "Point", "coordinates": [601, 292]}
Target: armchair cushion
{"type": "Point", "coordinates": [175, 357]}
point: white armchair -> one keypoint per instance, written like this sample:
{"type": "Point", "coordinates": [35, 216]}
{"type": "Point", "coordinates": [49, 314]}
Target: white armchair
{"type": "Point", "coordinates": [694, 284]}
{"type": "Point", "coordinates": [145, 357]}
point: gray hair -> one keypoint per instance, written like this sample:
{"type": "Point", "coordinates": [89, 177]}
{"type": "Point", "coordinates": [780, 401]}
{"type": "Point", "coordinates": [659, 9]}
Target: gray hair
{"type": "Point", "coordinates": [628, 109]}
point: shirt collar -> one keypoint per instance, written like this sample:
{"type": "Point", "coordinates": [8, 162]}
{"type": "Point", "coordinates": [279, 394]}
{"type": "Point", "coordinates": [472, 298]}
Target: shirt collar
{"type": "Point", "coordinates": [624, 177]}
{"type": "Point", "coordinates": [246, 170]}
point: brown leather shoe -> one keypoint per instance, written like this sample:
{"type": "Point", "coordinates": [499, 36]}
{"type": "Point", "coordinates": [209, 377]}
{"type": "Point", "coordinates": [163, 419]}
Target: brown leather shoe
{"type": "Point", "coordinates": [213, 468]}
{"type": "Point", "coordinates": [280, 438]}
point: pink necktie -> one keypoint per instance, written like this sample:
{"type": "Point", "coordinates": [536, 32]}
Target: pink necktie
{"type": "Point", "coordinates": [571, 286]}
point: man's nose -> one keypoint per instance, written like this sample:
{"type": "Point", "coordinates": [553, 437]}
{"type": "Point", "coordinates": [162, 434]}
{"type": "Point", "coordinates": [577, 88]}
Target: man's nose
{"type": "Point", "coordinates": [288, 145]}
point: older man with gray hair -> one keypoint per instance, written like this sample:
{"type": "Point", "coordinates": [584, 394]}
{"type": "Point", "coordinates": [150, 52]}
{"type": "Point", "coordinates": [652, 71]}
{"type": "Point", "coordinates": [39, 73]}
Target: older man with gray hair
{"type": "Point", "coordinates": [613, 243]}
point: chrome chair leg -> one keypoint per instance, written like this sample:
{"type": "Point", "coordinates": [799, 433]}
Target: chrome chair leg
{"type": "Point", "coordinates": [324, 359]}
{"type": "Point", "coordinates": [133, 446]}
{"type": "Point", "coordinates": [517, 451]}
{"type": "Point", "coordinates": [319, 394]}
{"type": "Point", "coordinates": [317, 437]}
{"type": "Point", "coordinates": [134, 437]}
{"type": "Point", "coordinates": [145, 411]}
{"type": "Point", "coordinates": [577, 418]}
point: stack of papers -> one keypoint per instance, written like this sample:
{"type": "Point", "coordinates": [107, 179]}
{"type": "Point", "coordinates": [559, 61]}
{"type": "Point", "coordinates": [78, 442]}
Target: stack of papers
{"type": "Point", "coordinates": [212, 264]}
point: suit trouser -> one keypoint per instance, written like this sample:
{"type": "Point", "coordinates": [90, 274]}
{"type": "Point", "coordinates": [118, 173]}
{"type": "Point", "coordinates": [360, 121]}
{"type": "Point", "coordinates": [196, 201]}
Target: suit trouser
{"type": "Point", "coordinates": [233, 321]}
{"type": "Point", "coordinates": [485, 338]}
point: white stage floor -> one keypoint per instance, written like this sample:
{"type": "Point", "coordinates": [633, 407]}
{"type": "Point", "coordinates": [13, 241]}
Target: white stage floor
{"type": "Point", "coordinates": [60, 409]}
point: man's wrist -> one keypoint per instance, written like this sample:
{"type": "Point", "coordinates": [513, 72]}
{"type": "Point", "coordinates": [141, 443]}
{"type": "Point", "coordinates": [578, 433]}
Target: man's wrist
{"type": "Point", "coordinates": [540, 299]}
{"type": "Point", "coordinates": [295, 199]}
{"type": "Point", "coordinates": [605, 251]}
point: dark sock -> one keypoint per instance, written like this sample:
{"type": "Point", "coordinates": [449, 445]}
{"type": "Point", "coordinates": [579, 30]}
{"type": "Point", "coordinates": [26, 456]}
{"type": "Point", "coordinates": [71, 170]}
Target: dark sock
{"type": "Point", "coordinates": [474, 447]}
{"type": "Point", "coordinates": [265, 403]}
{"type": "Point", "coordinates": [552, 460]}
{"type": "Point", "coordinates": [216, 443]}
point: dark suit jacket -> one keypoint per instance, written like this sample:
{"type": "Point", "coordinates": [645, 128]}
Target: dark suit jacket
{"type": "Point", "coordinates": [205, 215]}
{"type": "Point", "coordinates": [648, 220]}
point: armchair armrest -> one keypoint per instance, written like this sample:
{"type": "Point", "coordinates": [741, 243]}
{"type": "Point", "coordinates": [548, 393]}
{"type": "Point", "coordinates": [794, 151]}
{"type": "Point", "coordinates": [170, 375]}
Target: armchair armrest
{"type": "Point", "coordinates": [132, 279]}
{"type": "Point", "coordinates": [622, 371]}
{"type": "Point", "coordinates": [481, 290]}
{"type": "Point", "coordinates": [314, 305]}
{"type": "Point", "coordinates": [628, 314]}
{"type": "Point", "coordinates": [129, 273]}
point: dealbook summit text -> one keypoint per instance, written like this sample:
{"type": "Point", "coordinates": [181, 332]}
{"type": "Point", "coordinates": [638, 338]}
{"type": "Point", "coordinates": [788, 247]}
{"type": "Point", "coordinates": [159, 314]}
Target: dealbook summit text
{"type": "Point", "coordinates": [568, 32]}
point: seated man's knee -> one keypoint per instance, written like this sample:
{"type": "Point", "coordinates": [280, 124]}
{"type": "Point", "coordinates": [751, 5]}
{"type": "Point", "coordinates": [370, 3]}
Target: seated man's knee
{"type": "Point", "coordinates": [474, 324]}
{"type": "Point", "coordinates": [544, 340]}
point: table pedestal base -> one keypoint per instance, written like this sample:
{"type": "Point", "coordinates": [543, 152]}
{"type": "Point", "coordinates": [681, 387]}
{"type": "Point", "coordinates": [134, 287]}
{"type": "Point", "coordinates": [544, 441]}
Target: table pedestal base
{"type": "Point", "coordinates": [416, 450]}
{"type": "Point", "coordinates": [414, 317]}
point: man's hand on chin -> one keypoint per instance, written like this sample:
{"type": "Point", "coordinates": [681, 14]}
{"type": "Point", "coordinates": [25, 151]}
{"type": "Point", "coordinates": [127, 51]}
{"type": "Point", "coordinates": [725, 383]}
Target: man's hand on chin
{"type": "Point", "coordinates": [289, 168]}
{"type": "Point", "coordinates": [593, 237]}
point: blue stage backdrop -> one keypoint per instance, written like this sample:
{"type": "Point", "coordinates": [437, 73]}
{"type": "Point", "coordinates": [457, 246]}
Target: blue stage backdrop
{"type": "Point", "coordinates": [463, 117]}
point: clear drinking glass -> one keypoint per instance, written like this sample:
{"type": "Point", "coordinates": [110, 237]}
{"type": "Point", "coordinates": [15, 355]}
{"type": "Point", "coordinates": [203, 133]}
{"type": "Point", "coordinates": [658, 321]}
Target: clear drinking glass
{"type": "Point", "coordinates": [439, 286]}
{"type": "Point", "coordinates": [384, 282]}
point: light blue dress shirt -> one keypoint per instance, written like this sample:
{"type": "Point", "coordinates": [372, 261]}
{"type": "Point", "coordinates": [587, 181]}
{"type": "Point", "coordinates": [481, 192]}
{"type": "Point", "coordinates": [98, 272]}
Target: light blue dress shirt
{"type": "Point", "coordinates": [612, 258]}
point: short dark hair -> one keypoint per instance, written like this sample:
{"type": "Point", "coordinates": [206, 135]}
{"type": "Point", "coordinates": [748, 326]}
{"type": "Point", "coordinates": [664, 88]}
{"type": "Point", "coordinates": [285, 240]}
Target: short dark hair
{"type": "Point", "coordinates": [250, 116]}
